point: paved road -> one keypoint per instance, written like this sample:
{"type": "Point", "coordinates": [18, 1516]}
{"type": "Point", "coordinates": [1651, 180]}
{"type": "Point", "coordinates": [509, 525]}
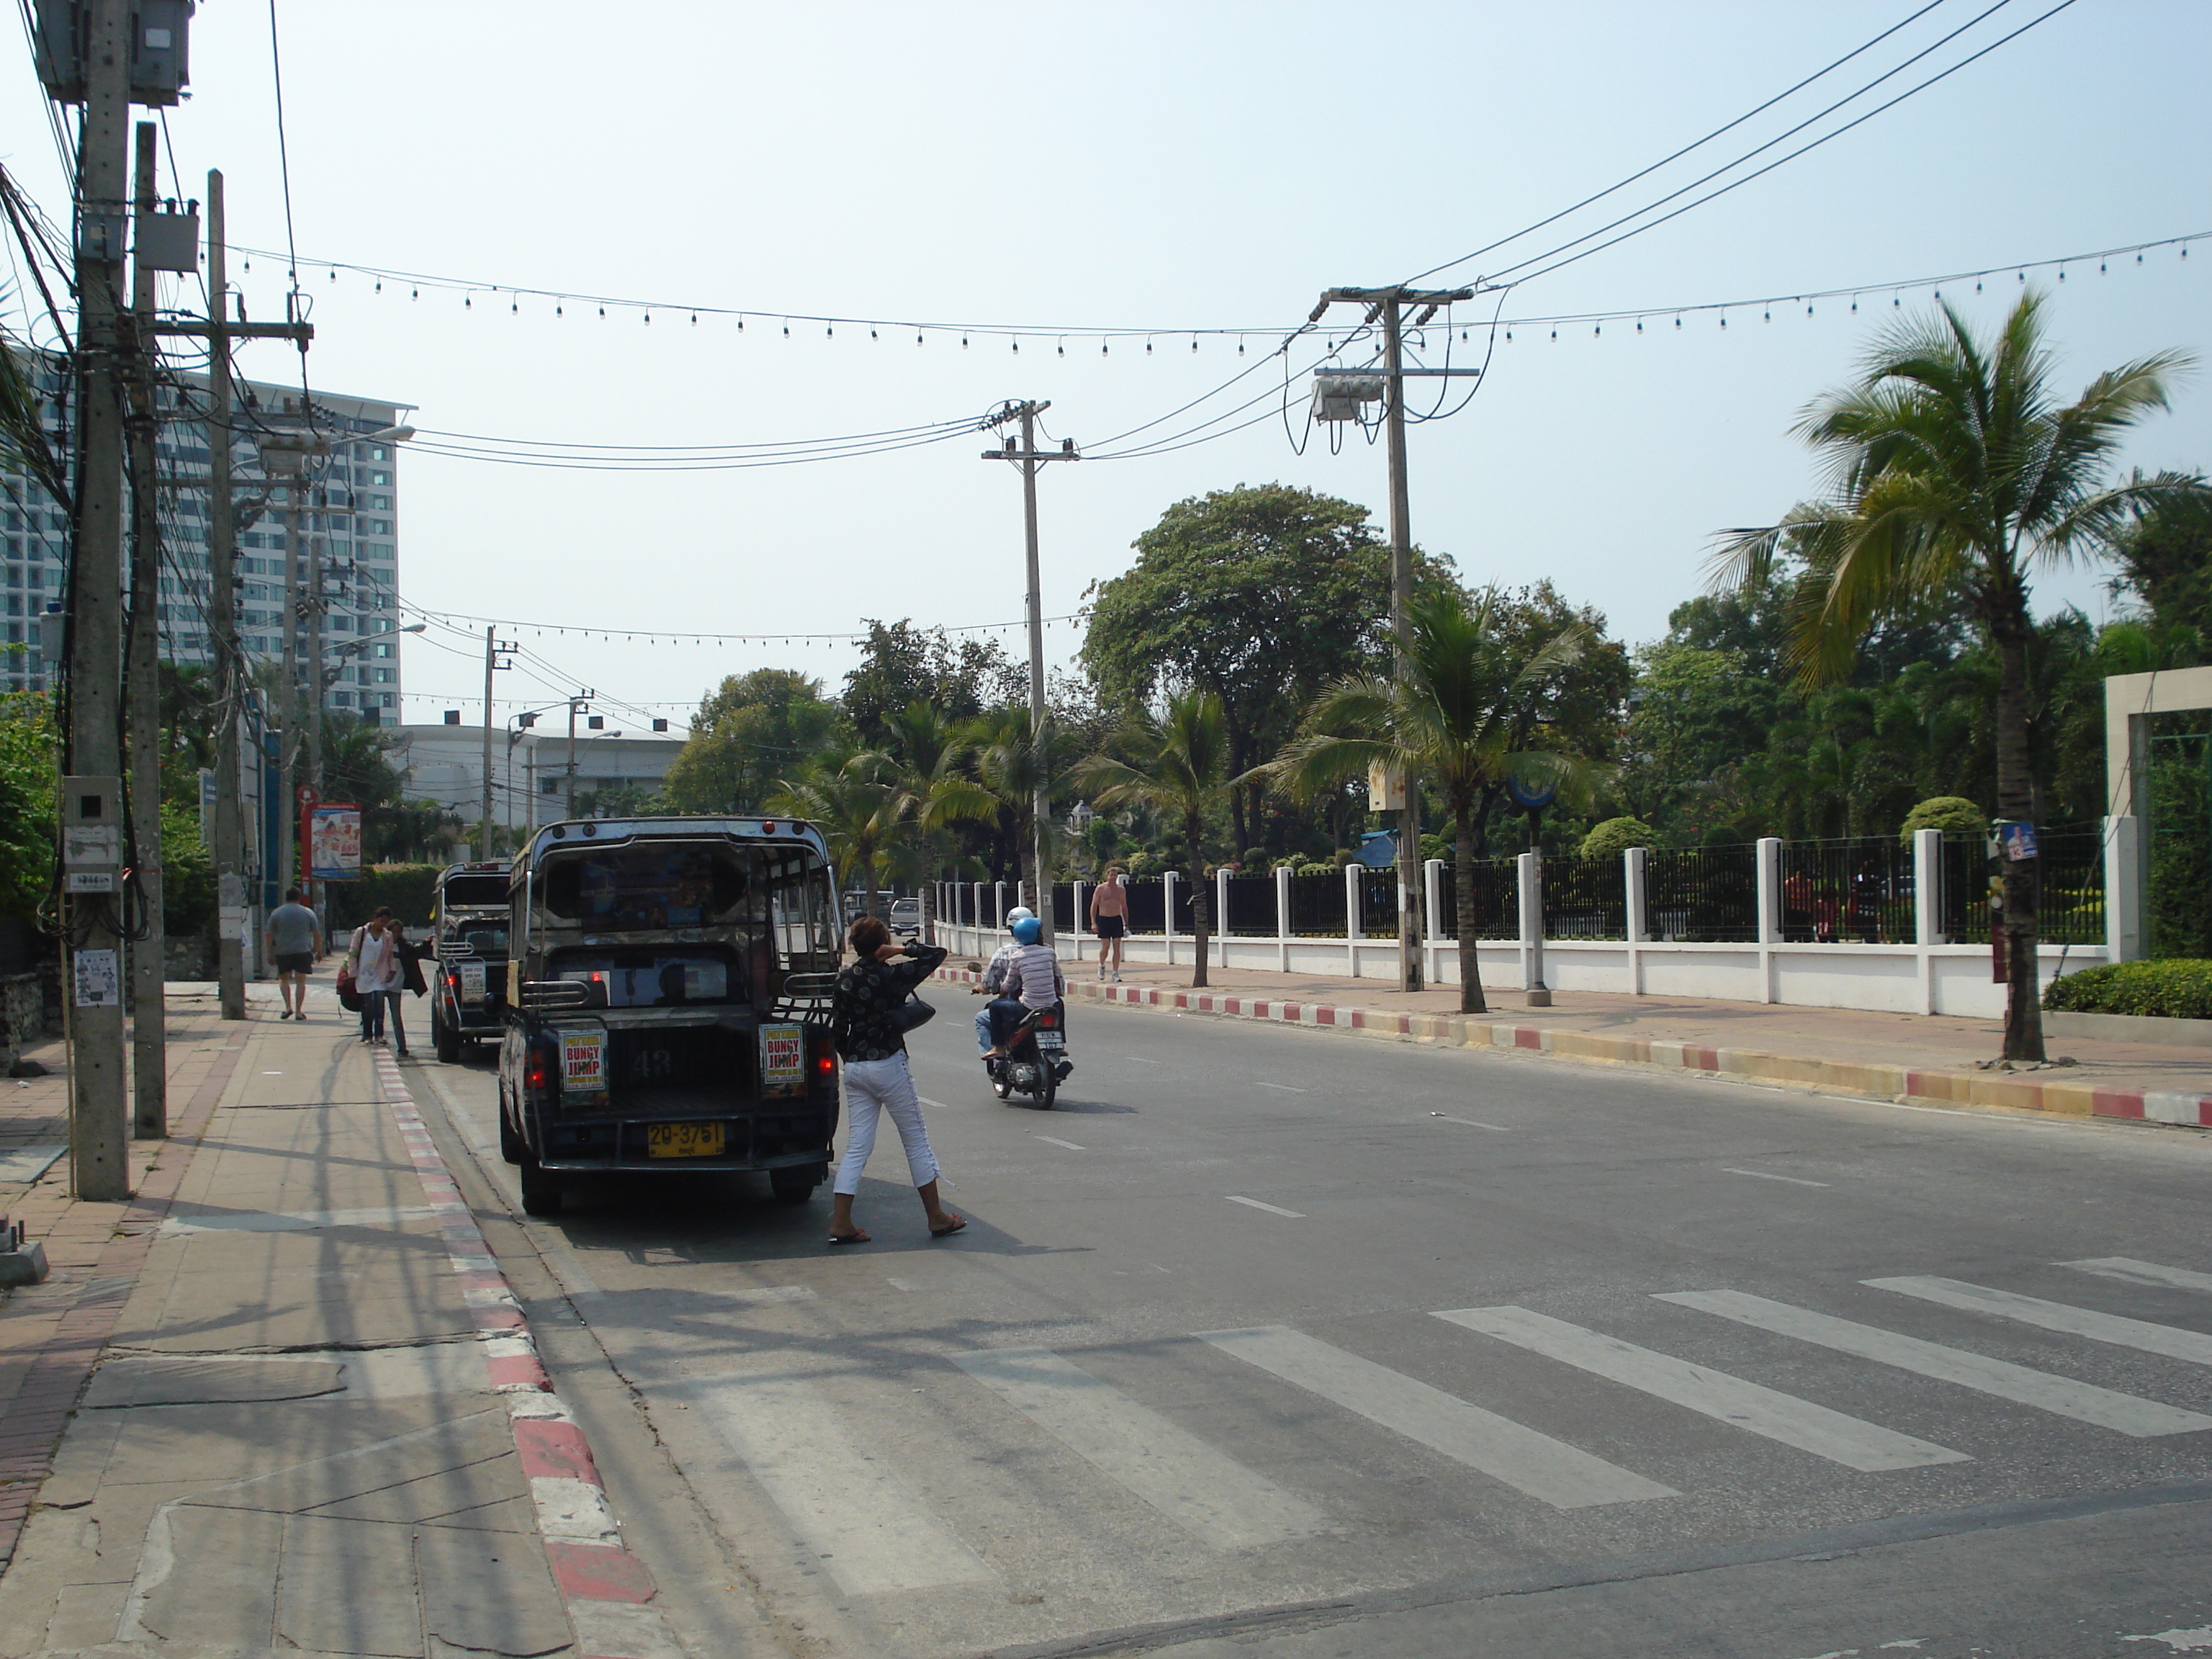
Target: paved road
{"type": "Point", "coordinates": [1318, 1345]}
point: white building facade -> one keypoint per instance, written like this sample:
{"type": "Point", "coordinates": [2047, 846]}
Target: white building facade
{"type": "Point", "coordinates": [532, 784]}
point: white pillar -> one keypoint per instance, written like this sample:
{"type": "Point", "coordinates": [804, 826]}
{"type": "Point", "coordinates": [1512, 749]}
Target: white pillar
{"type": "Point", "coordinates": [1927, 909]}
{"type": "Point", "coordinates": [1432, 901]}
{"type": "Point", "coordinates": [1221, 916]}
{"type": "Point", "coordinates": [1166, 913]}
{"type": "Point", "coordinates": [2123, 890]}
{"type": "Point", "coordinates": [1769, 898]}
{"type": "Point", "coordinates": [1283, 917]}
{"type": "Point", "coordinates": [998, 899]}
{"type": "Point", "coordinates": [1075, 933]}
{"type": "Point", "coordinates": [1528, 868]}
{"type": "Point", "coordinates": [1351, 874]}
{"type": "Point", "coordinates": [1639, 930]}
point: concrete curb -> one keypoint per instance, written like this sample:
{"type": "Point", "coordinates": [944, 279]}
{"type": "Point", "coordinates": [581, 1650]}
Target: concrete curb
{"type": "Point", "coordinates": [1843, 1076]}
{"type": "Point", "coordinates": [609, 1592]}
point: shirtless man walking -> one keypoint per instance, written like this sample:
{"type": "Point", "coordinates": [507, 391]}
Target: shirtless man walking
{"type": "Point", "coordinates": [1109, 919]}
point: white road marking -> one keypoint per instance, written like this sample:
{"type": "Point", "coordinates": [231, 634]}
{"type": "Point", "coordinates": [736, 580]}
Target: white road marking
{"type": "Point", "coordinates": [2083, 1402]}
{"type": "Point", "coordinates": [1057, 1141]}
{"type": "Point", "coordinates": [933, 1105]}
{"type": "Point", "coordinates": [1285, 1087]}
{"type": "Point", "coordinates": [1795, 1180]}
{"type": "Point", "coordinates": [1272, 1209]}
{"type": "Point", "coordinates": [870, 1529]}
{"type": "Point", "coordinates": [1561, 1475]}
{"type": "Point", "coordinates": [1748, 1406]}
{"type": "Point", "coordinates": [2194, 1346]}
{"type": "Point", "coordinates": [294, 1221]}
{"type": "Point", "coordinates": [2179, 1641]}
{"type": "Point", "coordinates": [1468, 1122]}
{"type": "Point", "coordinates": [1212, 1497]}
{"type": "Point", "coordinates": [2142, 1272]}
{"type": "Point", "coordinates": [1141, 1060]}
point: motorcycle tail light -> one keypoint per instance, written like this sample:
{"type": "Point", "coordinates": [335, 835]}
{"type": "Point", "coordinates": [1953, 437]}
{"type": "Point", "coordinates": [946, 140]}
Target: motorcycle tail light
{"type": "Point", "coordinates": [1048, 1019]}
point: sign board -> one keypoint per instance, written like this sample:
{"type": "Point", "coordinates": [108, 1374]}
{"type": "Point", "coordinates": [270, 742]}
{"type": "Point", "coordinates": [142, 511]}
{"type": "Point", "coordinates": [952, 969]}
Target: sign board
{"type": "Point", "coordinates": [472, 981]}
{"type": "Point", "coordinates": [334, 841]}
{"type": "Point", "coordinates": [783, 1059]}
{"type": "Point", "coordinates": [98, 978]}
{"type": "Point", "coordinates": [2016, 838]}
{"type": "Point", "coordinates": [584, 1060]}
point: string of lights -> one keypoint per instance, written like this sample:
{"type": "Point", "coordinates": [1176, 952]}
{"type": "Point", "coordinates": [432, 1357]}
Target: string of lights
{"type": "Point", "coordinates": [677, 636]}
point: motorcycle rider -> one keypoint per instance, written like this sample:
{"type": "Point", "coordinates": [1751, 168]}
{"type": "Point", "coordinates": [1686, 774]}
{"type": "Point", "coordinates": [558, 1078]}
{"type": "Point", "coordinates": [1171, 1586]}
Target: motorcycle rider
{"type": "Point", "coordinates": [994, 982]}
{"type": "Point", "coordinates": [1033, 974]}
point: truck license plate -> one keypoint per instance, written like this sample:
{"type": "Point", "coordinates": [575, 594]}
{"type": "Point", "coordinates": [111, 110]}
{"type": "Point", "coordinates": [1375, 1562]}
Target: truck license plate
{"type": "Point", "coordinates": [684, 1140]}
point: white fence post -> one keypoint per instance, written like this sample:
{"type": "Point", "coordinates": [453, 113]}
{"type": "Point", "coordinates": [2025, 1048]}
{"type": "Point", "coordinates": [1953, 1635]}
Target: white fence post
{"type": "Point", "coordinates": [999, 901]}
{"type": "Point", "coordinates": [2124, 898]}
{"type": "Point", "coordinates": [1166, 913]}
{"type": "Point", "coordinates": [1283, 918]}
{"type": "Point", "coordinates": [1638, 929]}
{"type": "Point", "coordinates": [1528, 868]}
{"type": "Point", "coordinates": [1221, 916]}
{"type": "Point", "coordinates": [1432, 908]}
{"type": "Point", "coordinates": [1351, 874]}
{"type": "Point", "coordinates": [1768, 893]}
{"type": "Point", "coordinates": [1927, 909]}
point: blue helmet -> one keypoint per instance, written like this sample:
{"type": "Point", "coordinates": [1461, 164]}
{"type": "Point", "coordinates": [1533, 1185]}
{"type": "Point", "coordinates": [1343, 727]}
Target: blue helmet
{"type": "Point", "coordinates": [1028, 930]}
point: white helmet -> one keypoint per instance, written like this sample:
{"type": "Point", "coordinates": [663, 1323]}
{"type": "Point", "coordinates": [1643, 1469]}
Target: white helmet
{"type": "Point", "coordinates": [1019, 913]}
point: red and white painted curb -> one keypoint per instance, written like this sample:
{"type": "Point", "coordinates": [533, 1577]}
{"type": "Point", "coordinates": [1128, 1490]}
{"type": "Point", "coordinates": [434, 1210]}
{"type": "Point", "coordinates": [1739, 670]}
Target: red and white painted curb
{"type": "Point", "coordinates": [1875, 1081]}
{"type": "Point", "coordinates": [609, 1592]}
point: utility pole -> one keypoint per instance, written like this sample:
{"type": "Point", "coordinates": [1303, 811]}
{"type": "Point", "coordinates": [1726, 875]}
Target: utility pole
{"type": "Point", "coordinates": [493, 654]}
{"type": "Point", "coordinates": [580, 701]}
{"type": "Point", "coordinates": [1029, 458]}
{"type": "Point", "coordinates": [314, 676]}
{"type": "Point", "coordinates": [99, 1121]}
{"type": "Point", "coordinates": [1389, 304]}
{"type": "Point", "coordinates": [149, 1116]}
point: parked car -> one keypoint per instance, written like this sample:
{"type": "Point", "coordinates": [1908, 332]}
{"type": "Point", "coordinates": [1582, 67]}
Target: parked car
{"type": "Point", "coordinates": [905, 918]}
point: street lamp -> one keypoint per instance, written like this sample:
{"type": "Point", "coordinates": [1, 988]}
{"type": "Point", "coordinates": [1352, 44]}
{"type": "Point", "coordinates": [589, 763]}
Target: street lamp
{"type": "Point", "coordinates": [331, 676]}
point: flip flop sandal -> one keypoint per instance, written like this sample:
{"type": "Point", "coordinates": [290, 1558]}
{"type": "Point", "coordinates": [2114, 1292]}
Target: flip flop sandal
{"type": "Point", "coordinates": [850, 1238]}
{"type": "Point", "coordinates": [947, 1232]}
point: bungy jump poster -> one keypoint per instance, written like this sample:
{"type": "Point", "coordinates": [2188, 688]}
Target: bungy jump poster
{"type": "Point", "coordinates": [334, 841]}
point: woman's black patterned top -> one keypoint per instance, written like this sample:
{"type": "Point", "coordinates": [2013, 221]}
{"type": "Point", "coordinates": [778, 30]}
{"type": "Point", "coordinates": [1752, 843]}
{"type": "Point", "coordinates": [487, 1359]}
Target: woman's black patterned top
{"type": "Point", "coordinates": [868, 993]}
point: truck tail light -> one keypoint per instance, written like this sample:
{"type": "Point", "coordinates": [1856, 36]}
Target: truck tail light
{"type": "Point", "coordinates": [538, 1072]}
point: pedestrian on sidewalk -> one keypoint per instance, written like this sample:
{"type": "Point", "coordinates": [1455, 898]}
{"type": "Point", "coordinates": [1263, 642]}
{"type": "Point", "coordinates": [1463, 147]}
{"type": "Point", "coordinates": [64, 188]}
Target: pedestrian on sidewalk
{"type": "Point", "coordinates": [411, 978]}
{"type": "Point", "coordinates": [1109, 919]}
{"type": "Point", "coordinates": [292, 938]}
{"type": "Point", "coordinates": [870, 1040]}
{"type": "Point", "coordinates": [373, 956]}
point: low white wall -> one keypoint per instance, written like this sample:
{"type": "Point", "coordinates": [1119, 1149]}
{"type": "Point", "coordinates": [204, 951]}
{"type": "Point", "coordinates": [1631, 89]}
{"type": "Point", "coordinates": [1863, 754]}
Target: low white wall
{"type": "Point", "coordinates": [1905, 979]}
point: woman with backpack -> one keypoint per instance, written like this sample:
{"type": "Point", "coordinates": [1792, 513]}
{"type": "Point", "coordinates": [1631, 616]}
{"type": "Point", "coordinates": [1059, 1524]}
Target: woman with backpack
{"type": "Point", "coordinates": [870, 1034]}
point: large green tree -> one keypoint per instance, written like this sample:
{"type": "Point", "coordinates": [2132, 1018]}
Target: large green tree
{"type": "Point", "coordinates": [1454, 719]}
{"type": "Point", "coordinates": [1955, 472]}
{"type": "Point", "coordinates": [750, 731]}
{"type": "Point", "coordinates": [1260, 595]}
{"type": "Point", "coordinates": [900, 664]}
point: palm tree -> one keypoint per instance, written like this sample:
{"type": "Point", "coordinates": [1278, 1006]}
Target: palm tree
{"type": "Point", "coordinates": [1449, 721]}
{"type": "Point", "coordinates": [938, 794]}
{"type": "Point", "coordinates": [1955, 472]}
{"type": "Point", "coordinates": [1179, 770]}
{"type": "Point", "coordinates": [859, 806]}
{"type": "Point", "coordinates": [1012, 764]}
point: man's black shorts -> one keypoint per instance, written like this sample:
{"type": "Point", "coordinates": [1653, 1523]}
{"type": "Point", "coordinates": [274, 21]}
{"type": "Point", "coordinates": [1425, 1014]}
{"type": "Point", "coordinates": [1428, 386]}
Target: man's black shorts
{"type": "Point", "coordinates": [295, 962]}
{"type": "Point", "coordinates": [1111, 927]}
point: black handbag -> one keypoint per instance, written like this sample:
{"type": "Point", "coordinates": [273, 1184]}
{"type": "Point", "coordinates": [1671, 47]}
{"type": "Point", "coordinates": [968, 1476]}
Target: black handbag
{"type": "Point", "coordinates": [912, 1015]}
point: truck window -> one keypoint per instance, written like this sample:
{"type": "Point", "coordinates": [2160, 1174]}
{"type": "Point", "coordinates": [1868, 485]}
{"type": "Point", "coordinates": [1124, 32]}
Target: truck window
{"type": "Point", "coordinates": [473, 892]}
{"type": "Point", "coordinates": [644, 886]}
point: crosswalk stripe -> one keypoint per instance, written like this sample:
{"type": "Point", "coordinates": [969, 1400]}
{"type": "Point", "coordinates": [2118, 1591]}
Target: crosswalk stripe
{"type": "Point", "coordinates": [2142, 1272]}
{"type": "Point", "coordinates": [1212, 1497]}
{"type": "Point", "coordinates": [1746, 1405]}
{"type": "Point", "coordinates": [2084, 1401]}
{"type": "Point", "coordinates": [2194, 1346]}
{"type": "Point", "coordinates": [871, 1530]}
{"type": "Point", "coordinates": [1561, 1475]}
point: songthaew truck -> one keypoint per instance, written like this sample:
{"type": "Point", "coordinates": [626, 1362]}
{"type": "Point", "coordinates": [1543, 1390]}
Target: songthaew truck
{"type": "Point", "coordinates": [469, 924]}
{"type": "Point", "coordinates": [667, 1006]}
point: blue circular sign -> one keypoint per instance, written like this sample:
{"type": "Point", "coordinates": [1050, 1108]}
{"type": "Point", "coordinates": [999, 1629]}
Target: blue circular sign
{"type": "Point", "coordinates": [1530, 798]}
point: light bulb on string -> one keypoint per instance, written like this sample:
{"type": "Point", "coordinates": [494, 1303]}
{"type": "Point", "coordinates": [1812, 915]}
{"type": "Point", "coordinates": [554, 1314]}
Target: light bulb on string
{"type": "Point", "coordinates": [695, 320]}
{"type": "Point", "coordinates": [830, 332]}
{"type": "Point", "coordinates": [1102, 348]}
{"type": "Point", "coordinates": [741, 325]}
{"type": "Point", "coordinates": [379, 285]}
{"type": "Point", "coordinates": [514, 306]}
{"type": "Point", "coordinates": [1193, 342]}
{"type": "Point", "coordinates": [871, 334]}
{"type": "Point", "coordinates": [1018, 348]}
{"type": "Point", "coordinates": [1148, 347]}
{"type": "Point", "coordinates": [1063, 347]}
{"type": "Point", "coordinates": [917, 337]}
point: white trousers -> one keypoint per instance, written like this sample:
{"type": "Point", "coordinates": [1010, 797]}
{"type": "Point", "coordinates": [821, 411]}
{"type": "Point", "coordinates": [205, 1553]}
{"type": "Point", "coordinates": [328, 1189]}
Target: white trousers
{"type": "Point", "coordinates": [872, 1088]}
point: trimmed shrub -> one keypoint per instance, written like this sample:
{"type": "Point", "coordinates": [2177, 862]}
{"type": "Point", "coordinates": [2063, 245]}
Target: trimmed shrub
{"type": "Point", "coordinates": [1955, 815]}
{"type": "Point", "coordinates": [2165, 990]}
{"type": "Point", "coordinates": [409, 888]}
{"type": "Point", "coordinates": [1319, 869]}
{"type": "Point", "coordinates": [1610, 839]}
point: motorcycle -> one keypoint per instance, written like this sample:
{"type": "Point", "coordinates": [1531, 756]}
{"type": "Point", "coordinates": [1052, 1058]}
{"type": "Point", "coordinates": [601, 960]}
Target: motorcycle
{"type": "Point", "coordinates": [1037, 1061]}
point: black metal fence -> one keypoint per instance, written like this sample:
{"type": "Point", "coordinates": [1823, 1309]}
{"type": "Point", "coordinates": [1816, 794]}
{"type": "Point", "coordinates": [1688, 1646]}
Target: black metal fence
{"type": "Point", "coordinates": [1317, 906]}
{"type": "Point", "coordinates": [1063, 907]}
{"type": "Point", "coordinates": [1496, 901]}
{"type": "Point", "coordinates": [1585, 898]}
{"type": "Point", "coordinates": [1702, 895]}
{"type": "Point", "coordinates": [1147, 898]}
{"type": "Point", "coordinates": [1378, 902]}
{"type": "Point", "coordinates": [1855, 891]}
{"type": "Point", "coordinates": [2069, 902]}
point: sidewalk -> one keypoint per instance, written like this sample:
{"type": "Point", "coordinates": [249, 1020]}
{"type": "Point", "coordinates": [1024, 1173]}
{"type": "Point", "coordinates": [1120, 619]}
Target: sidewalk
{"type": "Point", "coordinates": [317, 1420]}
{"type": "Point", "coordinates": [1886, 1056]}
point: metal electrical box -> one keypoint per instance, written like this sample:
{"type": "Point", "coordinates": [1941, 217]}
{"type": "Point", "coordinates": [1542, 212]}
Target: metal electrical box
{"type": "Point", "coordinates": [92, 835]}
{"type": "Point", "coordinates": [1385, 788]}
{"type": "Point", "coordinates": [166, 241]}
{"type": "Point", "coordinates": [160, 33]}
{"type": "Point", "coordinates": [1341, 397]}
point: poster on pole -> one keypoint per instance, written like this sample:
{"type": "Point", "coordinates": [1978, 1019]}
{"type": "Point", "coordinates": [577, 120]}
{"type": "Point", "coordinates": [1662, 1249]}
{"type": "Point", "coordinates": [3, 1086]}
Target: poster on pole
{"type": "Point", "coordinates": [334, 841]}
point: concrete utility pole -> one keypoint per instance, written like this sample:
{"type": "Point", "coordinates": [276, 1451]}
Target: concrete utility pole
{"type": "Point", "coordinates": [149, 1068]}
{"type": "Point", "coordinates": [580, 701]}
{"type": "Point", "coordinates": [99, 1122]}
{"type": "Point", "coordinates": [493, 653]}
{"type": "Point", "coordinates": [1029, 458]}
{"type": "Point", "coordinates": [1388, 303]}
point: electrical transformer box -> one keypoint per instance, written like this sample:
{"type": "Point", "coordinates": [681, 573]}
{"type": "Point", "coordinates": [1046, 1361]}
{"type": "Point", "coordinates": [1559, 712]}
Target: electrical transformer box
{"type": "Point", "coordinates": [160, 31]}
{"type": "Point", "coordinates": [92, 834]}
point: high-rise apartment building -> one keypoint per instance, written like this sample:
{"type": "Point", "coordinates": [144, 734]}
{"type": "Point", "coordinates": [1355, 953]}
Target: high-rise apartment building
{"type": "Point", "coordinates": [344, 513]}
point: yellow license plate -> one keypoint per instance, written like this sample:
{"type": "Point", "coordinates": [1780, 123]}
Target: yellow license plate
{"type": "Point", "coordinates": [684, 1140]}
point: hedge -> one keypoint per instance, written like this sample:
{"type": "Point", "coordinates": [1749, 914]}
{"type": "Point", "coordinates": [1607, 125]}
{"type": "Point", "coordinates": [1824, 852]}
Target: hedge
{"type": "Point", "coordinates": [2180, 989]}
{"type": "Point", "coordinates": [409, 888]}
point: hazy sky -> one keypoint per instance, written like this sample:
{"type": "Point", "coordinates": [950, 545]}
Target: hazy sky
{"type": "Point", "coordinates": [1165, 168]}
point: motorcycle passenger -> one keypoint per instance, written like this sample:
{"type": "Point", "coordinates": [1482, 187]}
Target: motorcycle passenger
{"type": "Point", "coordinates": [994, 981]}
{"type": "Point", "coordinates": [1034, 977]}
